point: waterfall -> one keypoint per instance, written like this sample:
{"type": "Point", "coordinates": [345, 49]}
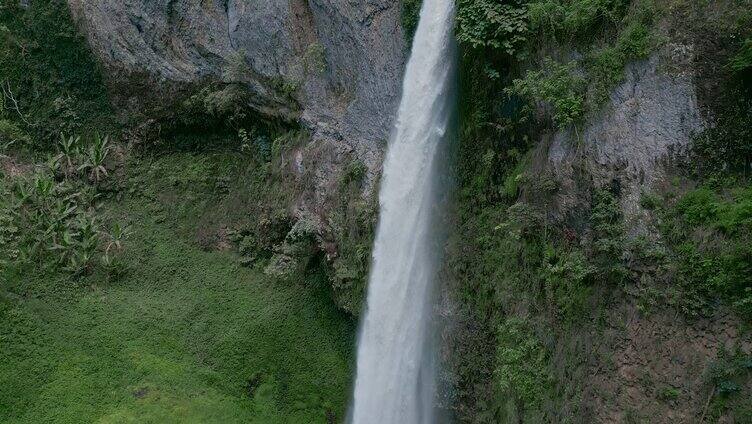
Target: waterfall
{"type": "Point", "coordinates": [396, 366]}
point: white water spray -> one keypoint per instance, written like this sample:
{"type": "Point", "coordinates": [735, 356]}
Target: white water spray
{"type": "Point", "coordinates": [396, 372]}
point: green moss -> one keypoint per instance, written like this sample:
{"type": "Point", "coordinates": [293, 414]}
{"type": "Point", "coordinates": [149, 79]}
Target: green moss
{"type": "Point", "coordinates": [315, 58]}
{"type": "Point", "coordinates": [187, 335]}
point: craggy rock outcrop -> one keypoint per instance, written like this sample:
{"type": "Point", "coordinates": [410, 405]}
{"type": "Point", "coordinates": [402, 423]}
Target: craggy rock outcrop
{"type": "Point", "coordinates": [632, 144]}
{"type": "Point", "coordinates": [334, 65]}
{"type": "Point", "coordinates": [652, 116]}
{"type": "Point", "coordinates": [671, 354]}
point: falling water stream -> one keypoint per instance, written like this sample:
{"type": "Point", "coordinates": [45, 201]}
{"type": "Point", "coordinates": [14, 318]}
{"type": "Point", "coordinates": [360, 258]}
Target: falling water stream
{"type": "Point", "coordinates": [396, 366]}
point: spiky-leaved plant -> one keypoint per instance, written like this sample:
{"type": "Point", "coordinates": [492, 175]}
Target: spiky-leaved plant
{"type": "Point", "coordinates": [95, 158]}
{"type": "Point", "coordinates": [69, 148]}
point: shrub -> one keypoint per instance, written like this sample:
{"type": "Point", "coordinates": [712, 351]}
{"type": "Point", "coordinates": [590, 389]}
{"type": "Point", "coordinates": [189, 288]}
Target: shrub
{"type": "Point", "coordinates": [494, 24]}
{"type": "Point", "coordinates": [704, 207]}
{"type": "Point", "coordinates": [511, 186]}
{"type": "Point", "coordinates": [698, 207]}
{"type": "Point", "coordinates": [567, 277]}
{"type": "Point", "coordinates": [254, 142]}
{"type": "Point", "coordinates": [605, 66]}
{"type": "Point", "coordinates": [95, 158]}
{"type": "Point", "coordinates": [521, 363]}
{"type": "Point", "coordinates": [574, 19]}
{"type": "Point", "coordinates": [559, 86]}
{"type": "Point", "coordinates": [48, 218]}
{"type": "Point", "coordinates": [214, 106]}
{"type": "Point", "coordinates": [669, 394]}
{"type": "Point", "coordinates": [11, 135]}
{"type": "Point", "coordinates": [57, 229]}
{"type": "Point", "coordinates": [724, 270]}
{"type": "Point", "coordinates": [608, 228]}
{"type": "Point", "coordinates": [650, 201]}
{"type": "Point", "coordinates": [354, 174]}
{"type": "Point", "coordinates": [742, 61]}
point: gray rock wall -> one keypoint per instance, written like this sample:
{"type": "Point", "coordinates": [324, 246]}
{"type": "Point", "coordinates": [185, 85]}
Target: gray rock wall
{"type": "Point", "coordinates": [652, 116]}
{"type": "Point", "coordinates": [335, 65]}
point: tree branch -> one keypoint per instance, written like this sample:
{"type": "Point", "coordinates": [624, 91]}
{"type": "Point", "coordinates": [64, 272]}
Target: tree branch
{"type": "Point", "coordinates": [8, 94]}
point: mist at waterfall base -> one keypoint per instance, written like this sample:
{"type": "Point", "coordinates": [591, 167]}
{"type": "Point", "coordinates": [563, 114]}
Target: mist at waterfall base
{"type": "Point", "coordinates": [397, 356]}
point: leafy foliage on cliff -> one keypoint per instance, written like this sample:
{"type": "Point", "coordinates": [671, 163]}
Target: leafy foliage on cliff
{"type": "Point", "coordinates": [569, 88]}
{"type": "Point", "coordinates": [535, 287]}
{"type": "Point", "coordinates": [410, 16]}
{"type": "Point", "coordinates": [51, 82]}
{"type": "Point", "coordinates": [709, 234]}
{"type": "Point", "coordinates": [492, 24]}
{"type": "Point", "coordinates": [120, 297]}
{"type": "Point", "coordinates": [556, 85]}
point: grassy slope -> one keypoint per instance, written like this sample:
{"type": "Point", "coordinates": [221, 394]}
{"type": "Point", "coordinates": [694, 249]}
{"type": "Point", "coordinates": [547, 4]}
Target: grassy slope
{"type": "Point", "coordinates": [180, 337]}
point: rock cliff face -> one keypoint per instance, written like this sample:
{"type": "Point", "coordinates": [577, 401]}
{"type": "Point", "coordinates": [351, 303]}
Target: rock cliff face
{"type": "Point", "coordinates": [650, 120]}
{"type": "Point", "coordinates": [651, 117]}
{"type": "Point", "coordinates": [333, 65]}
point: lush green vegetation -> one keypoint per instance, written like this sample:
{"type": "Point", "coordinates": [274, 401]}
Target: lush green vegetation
{"type": "Point", "coordinates": [713, 247]}
{"type": "Point", "coordinates": [533, 285]}
{"type": "Point", "coordinates": [132, 278]}
{"type": "Point", "coordinates": [607, 34]}
{"type": "Point", "coordinates": [50, 81]}
{"type": "Point", "coordinates": [171, 283]}
{"type": "Point", "coordinates": [186, 335]}
{"type": "Point", "coordinates": [410, 16]}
